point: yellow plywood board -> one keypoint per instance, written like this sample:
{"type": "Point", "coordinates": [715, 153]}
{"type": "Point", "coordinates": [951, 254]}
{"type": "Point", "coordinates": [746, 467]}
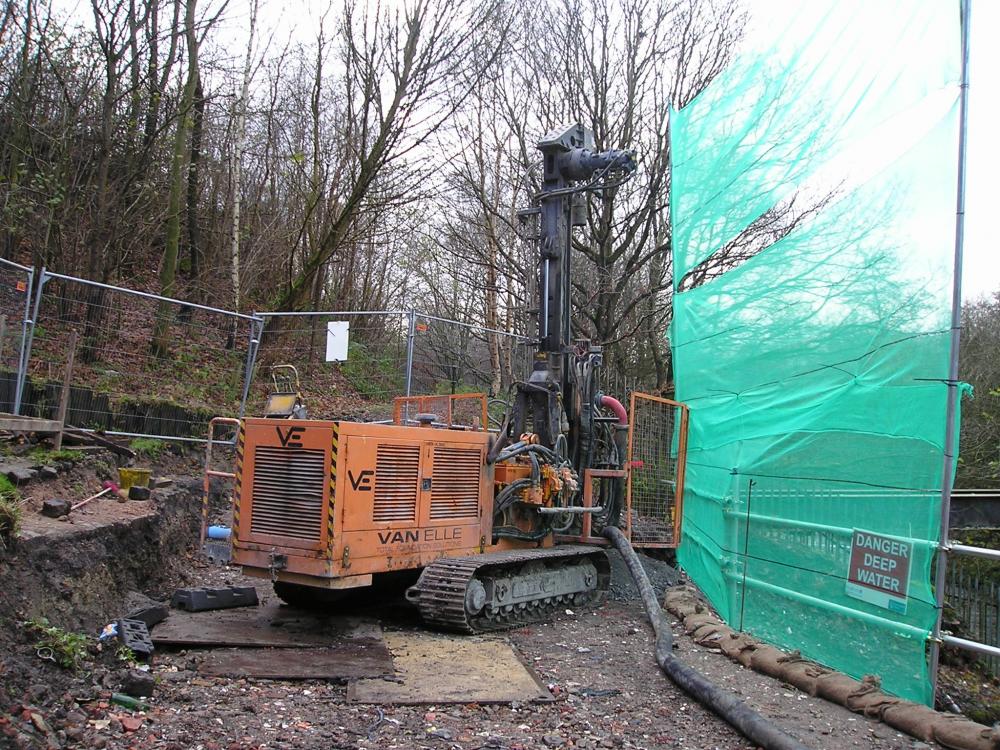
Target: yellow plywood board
{"type": "Point", "coordinates": [433, 668]}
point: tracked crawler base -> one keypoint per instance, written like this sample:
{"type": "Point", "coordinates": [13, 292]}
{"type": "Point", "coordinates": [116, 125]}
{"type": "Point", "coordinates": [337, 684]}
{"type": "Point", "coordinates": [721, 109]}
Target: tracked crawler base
{"type": "Point", "coordinates": [502, 590]}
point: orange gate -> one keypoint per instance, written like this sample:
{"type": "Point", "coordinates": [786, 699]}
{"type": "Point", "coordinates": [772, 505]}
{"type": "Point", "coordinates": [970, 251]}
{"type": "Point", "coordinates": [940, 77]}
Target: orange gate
{"type": "Point", "coordinates": [657, 450]}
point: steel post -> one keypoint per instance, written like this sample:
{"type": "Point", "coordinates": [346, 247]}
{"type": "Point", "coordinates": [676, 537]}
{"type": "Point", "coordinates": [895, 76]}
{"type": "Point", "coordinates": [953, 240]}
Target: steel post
{"type": "Point", "coordinates": [979, 648]}
{"type": "Point", "coordinates": [948, 464]}
{"type": "Point", "coordinates": [30, 326]}
{"type": "Point", "coordinates": [256, 331]}
{"type": "Point", "coordinates": [26, 322]}
{"type": "Point", "coordinates": [962, 549]}
{"type": "Point", "coordinates": [410, 337]}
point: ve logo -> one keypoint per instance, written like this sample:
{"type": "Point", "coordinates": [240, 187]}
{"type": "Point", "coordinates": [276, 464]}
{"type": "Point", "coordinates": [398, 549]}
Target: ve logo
{"type": "Point", "coordinates": [290, 438]}
{"type": "Point", "coordinates": [363, 481]}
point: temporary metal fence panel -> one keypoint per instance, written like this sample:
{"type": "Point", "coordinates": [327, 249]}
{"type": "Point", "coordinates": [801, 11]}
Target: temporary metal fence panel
{"type": "Point", "coordinates": [15, 309]}
{"type": "Point", "coordinates": [121, 383]}
{"type": "Point", "coordinates": [621, 385]}
{"type": "Point", "coordinates": [973, 599]}
{"type": "Point", "coordinates": [360, 387]}
{"type": "Point", "coordinates": [795, 554]}
{"type": "Point", "coordinates": [216, 362]}
{"type": "Point", "coordinates": [451, 357]}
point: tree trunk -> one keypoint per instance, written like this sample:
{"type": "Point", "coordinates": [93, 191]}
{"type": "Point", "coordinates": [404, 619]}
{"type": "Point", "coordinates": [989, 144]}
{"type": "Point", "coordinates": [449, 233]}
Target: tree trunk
{"type": "Point", "coordinates": [236, 173]}
{"type": "Point", "coordinates": [194, 231]}
{"type": "Point", "coordinates": [168, 268]}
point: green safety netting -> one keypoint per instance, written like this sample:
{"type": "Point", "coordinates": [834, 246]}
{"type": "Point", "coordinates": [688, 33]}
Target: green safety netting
{"type": "Point", "coordinates": [813, 213]}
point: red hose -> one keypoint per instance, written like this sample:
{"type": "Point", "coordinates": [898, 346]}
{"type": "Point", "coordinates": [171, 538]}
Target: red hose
{"type": "Point", "coordinates": [615, 405]}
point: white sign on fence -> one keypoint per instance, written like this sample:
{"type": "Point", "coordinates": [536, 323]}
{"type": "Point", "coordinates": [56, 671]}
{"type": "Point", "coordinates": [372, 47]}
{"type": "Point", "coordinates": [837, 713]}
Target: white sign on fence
{"type": "Point", "coordinates": [337, 332]}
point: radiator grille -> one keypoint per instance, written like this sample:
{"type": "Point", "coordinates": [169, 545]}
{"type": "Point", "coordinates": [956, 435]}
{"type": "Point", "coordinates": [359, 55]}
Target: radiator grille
{"type": "Point", "coordinates": [397, 473]}
{"type": "Point", "coordinates": [455, 485]}
{"type": "Point", "coordinates": [288, 492]}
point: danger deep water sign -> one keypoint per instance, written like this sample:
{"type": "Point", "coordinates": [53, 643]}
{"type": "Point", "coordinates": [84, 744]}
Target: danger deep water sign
{"type": "Point", "coordinates": [880, 570]}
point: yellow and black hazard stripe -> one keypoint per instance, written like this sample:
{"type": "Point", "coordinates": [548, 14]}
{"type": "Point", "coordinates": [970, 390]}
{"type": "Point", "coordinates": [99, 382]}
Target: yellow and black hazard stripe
{"type": "Point", "coordinates": [330, 516]}
{"type": "Point", "coordinates": [241, 439]}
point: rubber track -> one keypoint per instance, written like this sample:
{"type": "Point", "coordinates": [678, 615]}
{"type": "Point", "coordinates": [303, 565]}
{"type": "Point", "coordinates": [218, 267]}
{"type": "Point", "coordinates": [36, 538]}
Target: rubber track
{"type": "Point", "coordinates": [443, 584]}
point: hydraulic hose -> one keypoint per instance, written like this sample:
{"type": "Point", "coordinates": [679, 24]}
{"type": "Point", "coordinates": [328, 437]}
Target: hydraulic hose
{"type": "Point", "coordinates": [519, 448]}
{"type": "Point", "coordinates": [620, 441]}
{"type": "Point", "coordinates": [724, 703]}
{"type": "Point", "coordinates": [508, 495]}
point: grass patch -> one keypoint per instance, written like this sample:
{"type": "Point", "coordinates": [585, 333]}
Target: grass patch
{"type": "Point", "coordinates": [148, 447]}
{"type": "Point", "coordinates": [10, 511]}
{"type": "Point", "coordinates": [45, 456]}
{"type": "Point", "coordinates": [68, 649]}
{"type": "Point", "coordinates": [370, 374]}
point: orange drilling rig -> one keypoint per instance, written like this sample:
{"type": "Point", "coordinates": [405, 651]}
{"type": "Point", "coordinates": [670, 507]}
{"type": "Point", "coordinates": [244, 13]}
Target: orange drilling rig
{"type": "Point", "coordinates": [498, 523]}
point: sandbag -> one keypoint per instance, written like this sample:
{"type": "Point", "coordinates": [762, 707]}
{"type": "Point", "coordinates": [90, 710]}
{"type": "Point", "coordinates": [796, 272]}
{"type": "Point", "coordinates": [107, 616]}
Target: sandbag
{"type": "Point", "coordinates": [767, 659]}
{"type": "Point", "coordinates": [745, 656]}
{"type": "Point", "coordinates": [837, 687]}
{"type": "Point", "coordinates": [959, 733]}
{"type": "Point", "coordinates": [802, 674]}
{"type": "Point", "coordinates": [710, 634]}
{"type": "Point", "coordinates": [912, 718]}
{"type": "Point", "coordinates": [878, 703]}
{"type": "Point", "coordinates": [734, 645]}
{"type": "Point", "coordinates": [870, 692]}
{"type": "Point", "coordinates": [797, 675]}
{"type": "Point", "coordinates": [683, 601]}
{"type": "Point", "coordinates": [714, 640]}
{"type": "Point", "coordinates": [693, 622]}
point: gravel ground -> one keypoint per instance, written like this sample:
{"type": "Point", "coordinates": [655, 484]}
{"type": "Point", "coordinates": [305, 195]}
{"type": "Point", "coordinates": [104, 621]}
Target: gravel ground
{"type": "Point", "coordinates": [598, 665]}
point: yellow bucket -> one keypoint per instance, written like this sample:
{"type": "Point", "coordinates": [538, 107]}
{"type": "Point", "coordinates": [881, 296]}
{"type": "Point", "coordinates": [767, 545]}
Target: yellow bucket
{"type": "Point", "coordinates": [133, 478]}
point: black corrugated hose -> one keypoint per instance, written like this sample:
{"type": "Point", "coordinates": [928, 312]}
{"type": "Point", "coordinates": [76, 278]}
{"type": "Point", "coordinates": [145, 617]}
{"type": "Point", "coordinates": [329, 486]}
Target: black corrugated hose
{"type": "Point", "coordinates": [726, 704]}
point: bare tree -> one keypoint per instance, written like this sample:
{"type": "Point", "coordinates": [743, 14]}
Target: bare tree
{"type": "Point", "coordinates": [617, 66]}
{"type": "Point", "coordinates": [979, 462]}
{"type": "Point", "coordinates": [159, 343]}
{"type": "Point", "coordinates": [403, 76]}
{"type": "Point", "coordinates": [236, 160]}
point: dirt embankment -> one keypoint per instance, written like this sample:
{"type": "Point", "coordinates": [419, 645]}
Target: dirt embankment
{"type": "Point", "coordinates": [76, 574]}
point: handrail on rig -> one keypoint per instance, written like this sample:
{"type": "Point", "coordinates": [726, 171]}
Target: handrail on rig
{"type": "Point", "coordinates": [209, 472]}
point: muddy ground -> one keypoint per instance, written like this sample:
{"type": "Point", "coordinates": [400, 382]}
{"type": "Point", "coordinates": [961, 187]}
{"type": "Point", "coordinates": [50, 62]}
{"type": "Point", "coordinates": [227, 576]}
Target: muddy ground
{"type": "Point", "coordinates": [597, 664]}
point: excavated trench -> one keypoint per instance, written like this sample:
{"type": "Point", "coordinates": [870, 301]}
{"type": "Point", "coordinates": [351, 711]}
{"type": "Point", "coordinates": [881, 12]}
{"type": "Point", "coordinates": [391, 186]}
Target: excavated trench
{"type": "Point", "coordinates": [78, 578]}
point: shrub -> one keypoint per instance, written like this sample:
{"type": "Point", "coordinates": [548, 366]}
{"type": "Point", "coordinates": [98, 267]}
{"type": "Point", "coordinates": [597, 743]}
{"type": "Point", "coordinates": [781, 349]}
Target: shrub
{"type": "Point", "coordinates": [371, 374]}
{"type": "Point", "coordinates": [10, 511]}
{"type": "Point", "coordinates": [68, 649]}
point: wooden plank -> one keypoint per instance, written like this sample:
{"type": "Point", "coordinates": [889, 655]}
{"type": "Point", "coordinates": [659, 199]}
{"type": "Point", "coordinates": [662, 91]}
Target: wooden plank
{"type": "Point", "coordinates": [271, 626]}
{"type": "Point", "coordinates": [349, 660]}
{"type": "Point", "coordinates": [28, 424]}
{"type": "Point", "coordinates": [111, 445]}
{"type": "Point", "coordinates": [66, 386]}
